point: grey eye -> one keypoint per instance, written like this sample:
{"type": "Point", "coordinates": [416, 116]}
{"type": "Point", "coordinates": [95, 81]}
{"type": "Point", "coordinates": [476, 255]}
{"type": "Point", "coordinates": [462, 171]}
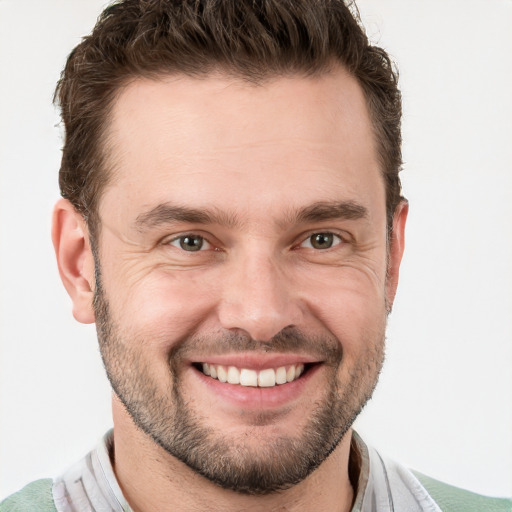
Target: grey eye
{"type": "Point", "coordinates": [190, 243]}
{"type": "Point", "coordinates": [321, 241]}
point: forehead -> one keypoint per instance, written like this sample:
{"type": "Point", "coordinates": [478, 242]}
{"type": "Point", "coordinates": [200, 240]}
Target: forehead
{"type": "Point", "coordinates": [296, 139]}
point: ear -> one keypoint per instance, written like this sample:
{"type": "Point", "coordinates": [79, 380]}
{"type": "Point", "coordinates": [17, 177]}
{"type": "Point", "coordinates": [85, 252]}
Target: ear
{"type": "Point", "coordinates": [74, 258]}
{"type": "Point", "coordinates": [396, 251]}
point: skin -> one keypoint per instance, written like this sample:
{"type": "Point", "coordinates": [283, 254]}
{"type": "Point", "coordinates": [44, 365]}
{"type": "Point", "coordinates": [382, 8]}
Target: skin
{"type": "Point", "coordinates": [254, 155]}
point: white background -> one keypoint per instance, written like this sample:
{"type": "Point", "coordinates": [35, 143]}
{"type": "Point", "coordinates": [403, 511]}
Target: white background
{"type": "Point", "coordinates": [444, 404]}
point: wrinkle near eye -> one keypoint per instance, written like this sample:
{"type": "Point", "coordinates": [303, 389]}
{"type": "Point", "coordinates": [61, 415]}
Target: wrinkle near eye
{"type": "Point", "coordinates": [126, 240]}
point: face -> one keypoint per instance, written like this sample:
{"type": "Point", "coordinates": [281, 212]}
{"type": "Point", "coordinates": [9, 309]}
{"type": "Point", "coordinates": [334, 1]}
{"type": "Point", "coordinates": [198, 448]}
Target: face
{"type": "Point", "coordinates": [241, 293]}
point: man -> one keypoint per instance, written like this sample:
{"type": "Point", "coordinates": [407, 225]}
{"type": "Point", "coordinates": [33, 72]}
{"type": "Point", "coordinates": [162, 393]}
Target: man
{"type": "Point", "coordinates": [232, 221]}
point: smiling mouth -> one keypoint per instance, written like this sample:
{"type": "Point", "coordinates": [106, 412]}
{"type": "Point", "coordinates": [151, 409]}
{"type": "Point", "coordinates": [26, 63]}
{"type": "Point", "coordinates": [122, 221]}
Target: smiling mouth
{"type": "Point", "coordinates": [266, 378]}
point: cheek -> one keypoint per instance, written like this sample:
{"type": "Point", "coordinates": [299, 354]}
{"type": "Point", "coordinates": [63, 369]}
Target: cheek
{"type": "Point", "coordinates": [351, 304]}
{"type": "Point", "coordinates": [358, 321]}
{"type": "Point", "coordinates": [161, 307]}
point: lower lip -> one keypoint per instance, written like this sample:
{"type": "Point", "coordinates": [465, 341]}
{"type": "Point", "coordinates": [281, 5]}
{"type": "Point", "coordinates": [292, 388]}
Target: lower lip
{"type": "Point", "coordinates": [256, 398]}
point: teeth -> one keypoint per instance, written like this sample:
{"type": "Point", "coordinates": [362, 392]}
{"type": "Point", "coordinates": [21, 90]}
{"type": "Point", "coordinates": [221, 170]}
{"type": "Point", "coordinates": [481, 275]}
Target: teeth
{"type": "Point", "coordinates": [222, 375]}
{"type": "Point", "coordinates": [281, 375]}
{"type": "Point", "coordinates": [233, 375]}
{"type": "Point", "coordinates": [266, 378]}
{"type": "Point", "coordinates": [248, 378]}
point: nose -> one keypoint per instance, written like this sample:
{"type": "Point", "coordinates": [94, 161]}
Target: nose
{"type": "Point", "coordinates": [258, 297]}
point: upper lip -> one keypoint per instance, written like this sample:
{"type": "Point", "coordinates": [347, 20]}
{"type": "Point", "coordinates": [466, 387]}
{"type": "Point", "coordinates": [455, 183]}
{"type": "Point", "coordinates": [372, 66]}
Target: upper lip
{"type": "Point", "coordinates": [256, 361]}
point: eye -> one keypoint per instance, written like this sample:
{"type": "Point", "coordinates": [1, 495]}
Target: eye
{"type": "Point", "coordinates": [322, 241]}
{"type": "Point", "coordinates": [190, 243]}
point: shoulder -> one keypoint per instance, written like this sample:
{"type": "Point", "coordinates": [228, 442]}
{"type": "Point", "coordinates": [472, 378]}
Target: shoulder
{"type": "Point", "coordinates": [454, 499]}
{"type": "Point", "coordinates": [387, 485]}
{"type": "Point", "coordinates": [34, 497]}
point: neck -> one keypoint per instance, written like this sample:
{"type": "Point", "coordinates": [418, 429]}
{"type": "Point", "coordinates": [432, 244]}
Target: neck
{"type": "Point", "coordinates": [151, 479]}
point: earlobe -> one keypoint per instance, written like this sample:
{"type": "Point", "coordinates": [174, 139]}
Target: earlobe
{"type": "Point", "coordinates": [74, 258]}
{"type": "Point", "coordinates": [396, 251]}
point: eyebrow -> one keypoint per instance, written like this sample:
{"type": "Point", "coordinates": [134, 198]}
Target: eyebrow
{"type": "Point", "coordinates": [167, 213]}
{"type": "Point", "coordinates": [346, 210]}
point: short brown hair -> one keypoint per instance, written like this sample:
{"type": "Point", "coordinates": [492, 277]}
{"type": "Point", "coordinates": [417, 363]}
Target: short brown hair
{"type": "Point", "coordinates": [250, 39]}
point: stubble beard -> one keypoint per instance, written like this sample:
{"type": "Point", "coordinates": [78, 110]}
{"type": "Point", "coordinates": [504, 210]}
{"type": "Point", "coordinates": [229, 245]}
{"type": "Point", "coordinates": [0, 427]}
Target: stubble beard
{"type": "Point", "coordinates": [170, 419]}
